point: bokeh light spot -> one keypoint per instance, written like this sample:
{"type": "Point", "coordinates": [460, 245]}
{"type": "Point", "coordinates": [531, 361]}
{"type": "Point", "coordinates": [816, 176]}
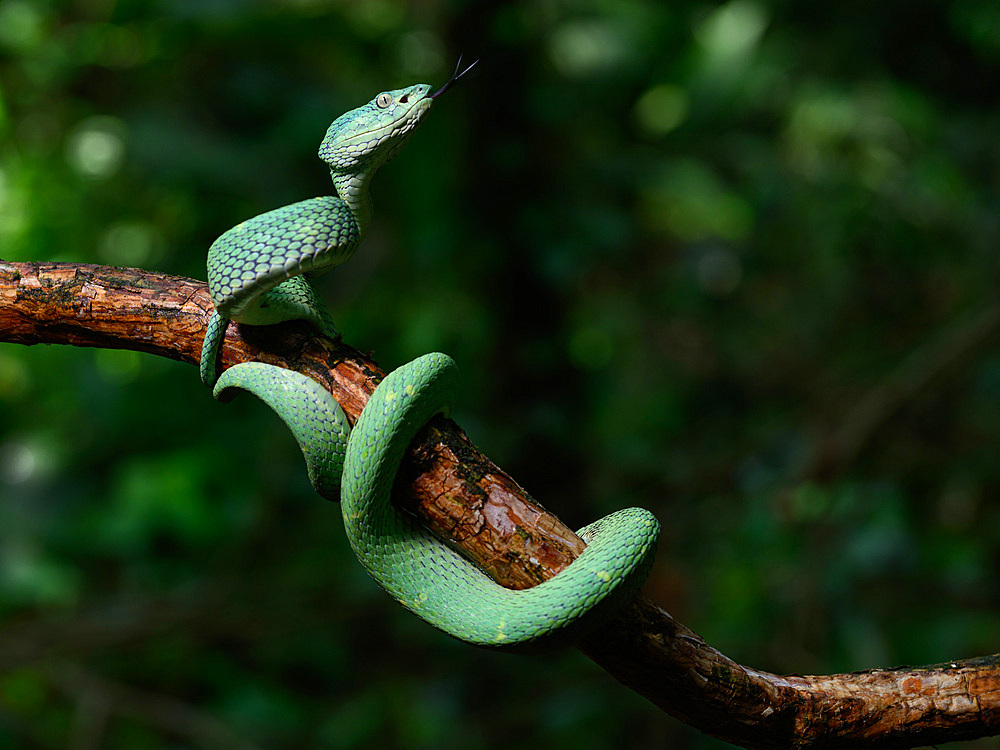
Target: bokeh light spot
{"type": "Point", "coordinates": [96, 147]}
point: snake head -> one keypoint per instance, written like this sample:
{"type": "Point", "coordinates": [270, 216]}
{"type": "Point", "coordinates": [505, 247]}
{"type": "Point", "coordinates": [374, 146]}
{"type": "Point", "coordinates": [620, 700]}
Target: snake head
{"type": "Point", "coordinates": [367, 137]}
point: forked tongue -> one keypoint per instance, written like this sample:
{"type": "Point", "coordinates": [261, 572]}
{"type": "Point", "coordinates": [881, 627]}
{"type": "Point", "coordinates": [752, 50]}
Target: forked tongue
{"type": "Point", "coordinates": [454, 77]}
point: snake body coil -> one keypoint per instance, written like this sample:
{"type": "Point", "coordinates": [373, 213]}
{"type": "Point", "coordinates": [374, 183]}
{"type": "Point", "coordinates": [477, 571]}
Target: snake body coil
{"type": "Point", "coordinates": [255, 277]}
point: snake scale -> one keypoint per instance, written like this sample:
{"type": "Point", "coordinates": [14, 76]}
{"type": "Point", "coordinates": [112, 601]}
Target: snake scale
{"type": "Point", "coordinates": [257, 275]}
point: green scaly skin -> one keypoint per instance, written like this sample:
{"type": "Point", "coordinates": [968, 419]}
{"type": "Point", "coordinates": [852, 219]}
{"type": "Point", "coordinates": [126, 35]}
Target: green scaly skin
{"type": "Point", "coordinates": [255, 269]}
{"type": "Point", "coordinates": [253, 273]}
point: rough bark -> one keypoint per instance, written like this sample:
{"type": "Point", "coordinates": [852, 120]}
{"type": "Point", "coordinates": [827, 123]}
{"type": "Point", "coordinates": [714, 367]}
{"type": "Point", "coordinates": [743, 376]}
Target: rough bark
{"type": "Point", "coordinates": [462, 497]}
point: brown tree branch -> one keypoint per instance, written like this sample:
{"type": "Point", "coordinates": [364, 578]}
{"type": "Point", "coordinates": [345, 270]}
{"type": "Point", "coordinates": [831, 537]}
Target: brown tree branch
{"type": "Point", "coordinates": [462, 497]}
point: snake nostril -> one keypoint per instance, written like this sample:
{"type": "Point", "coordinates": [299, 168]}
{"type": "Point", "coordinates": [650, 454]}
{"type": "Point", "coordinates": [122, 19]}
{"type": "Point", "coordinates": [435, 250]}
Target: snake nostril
{"type": "Point", "coordinates": [404, 98]}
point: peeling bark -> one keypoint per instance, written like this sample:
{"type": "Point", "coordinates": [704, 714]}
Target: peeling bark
{"type": "Point", "coordinates": [465, 499]}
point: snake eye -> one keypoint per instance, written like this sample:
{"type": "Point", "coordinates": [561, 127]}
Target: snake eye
{"type": "Point", "coordinates": [383, 100]}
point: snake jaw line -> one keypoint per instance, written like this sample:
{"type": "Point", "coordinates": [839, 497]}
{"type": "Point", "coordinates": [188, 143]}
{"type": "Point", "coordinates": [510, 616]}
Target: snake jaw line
{"type": "Point", "coordinates": [367, 137]}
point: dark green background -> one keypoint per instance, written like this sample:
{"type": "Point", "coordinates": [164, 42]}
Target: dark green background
{"type": "Point", "coordinates": [674, 247]}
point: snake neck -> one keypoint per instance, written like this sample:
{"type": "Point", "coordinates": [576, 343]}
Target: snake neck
{"type": "Point", "coordinates": [352, 188]}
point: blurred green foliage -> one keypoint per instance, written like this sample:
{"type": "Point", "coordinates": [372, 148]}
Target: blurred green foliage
{"type": "Point", "coordinates": [679, 250]}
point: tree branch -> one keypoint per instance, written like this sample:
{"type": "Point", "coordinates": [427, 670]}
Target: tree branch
{"type": "Point", "coordinates": [462, 497]}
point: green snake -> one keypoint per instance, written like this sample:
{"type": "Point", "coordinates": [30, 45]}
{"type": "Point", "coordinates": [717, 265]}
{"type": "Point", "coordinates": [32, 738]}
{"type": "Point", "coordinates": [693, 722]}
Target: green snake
{"type": "Point", "coordinates": [256, 276]}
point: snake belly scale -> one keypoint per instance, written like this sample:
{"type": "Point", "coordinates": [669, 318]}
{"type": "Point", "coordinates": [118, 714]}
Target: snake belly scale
{"type": "Point", "coordinates": [257, 276]}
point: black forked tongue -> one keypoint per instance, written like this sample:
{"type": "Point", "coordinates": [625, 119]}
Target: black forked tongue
{"type": "Point", "coordinates": [454, 77]}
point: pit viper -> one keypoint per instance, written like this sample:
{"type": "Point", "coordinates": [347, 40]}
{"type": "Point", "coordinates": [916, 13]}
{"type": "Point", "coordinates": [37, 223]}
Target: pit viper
{"type": "Point", "coordinates": [257, 275]}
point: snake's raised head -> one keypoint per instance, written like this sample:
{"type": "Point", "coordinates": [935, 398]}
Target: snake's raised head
{"type": "Point", "coordinates": [362, 140]}
{"type": "Point", "coordinates": [365, 138]}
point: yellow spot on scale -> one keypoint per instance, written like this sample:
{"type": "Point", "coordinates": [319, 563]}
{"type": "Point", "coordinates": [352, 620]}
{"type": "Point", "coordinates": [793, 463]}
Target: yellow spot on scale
{"type": "Point", "coordinates": [409, 390]}
{"type": "Point", "coordinates": [603, 575]}
{"type": "Point", "coordinates": [390, 395]}
{"type": "Point", "coordinates": [501, 636]}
